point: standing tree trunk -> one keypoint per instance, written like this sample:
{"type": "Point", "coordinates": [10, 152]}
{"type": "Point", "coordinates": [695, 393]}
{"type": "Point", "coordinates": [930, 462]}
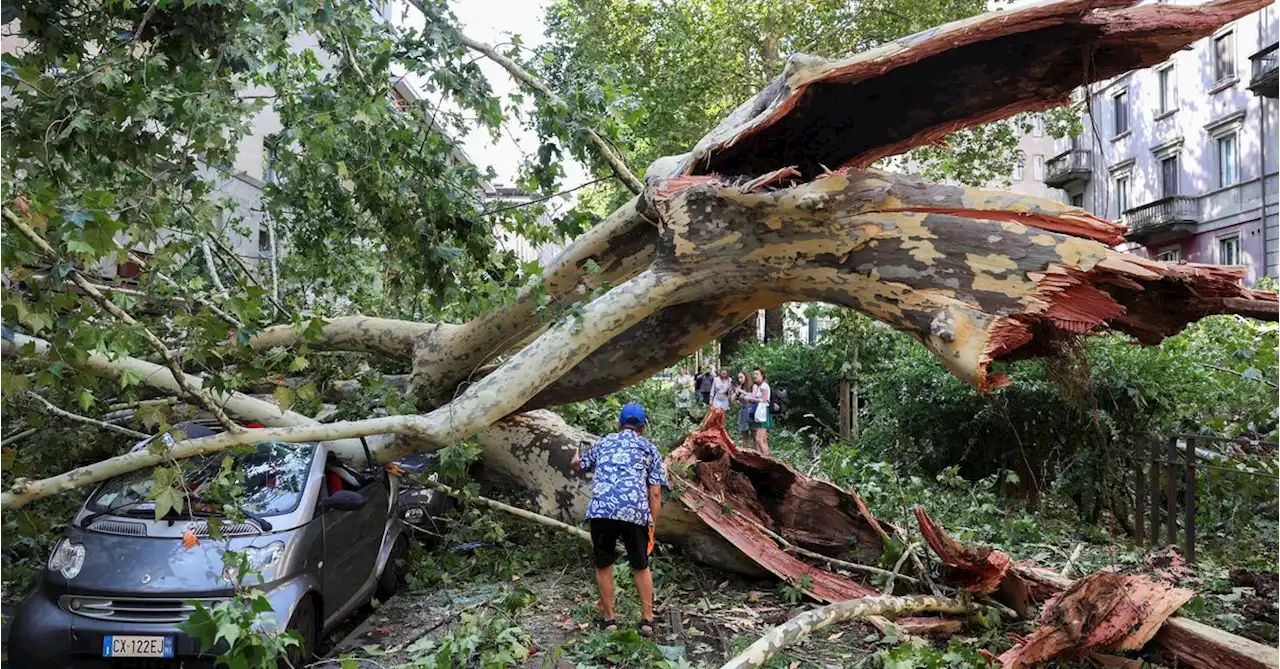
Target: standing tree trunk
{"type": "Point", "coordinates": [737, 337]}
{"type": "Point", "coordinates": [773, 324]}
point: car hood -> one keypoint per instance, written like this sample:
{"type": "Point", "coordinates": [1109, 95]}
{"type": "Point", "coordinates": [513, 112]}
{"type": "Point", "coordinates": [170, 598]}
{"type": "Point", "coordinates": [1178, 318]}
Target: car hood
{"type": "Point", "coordinates": [119, 565]}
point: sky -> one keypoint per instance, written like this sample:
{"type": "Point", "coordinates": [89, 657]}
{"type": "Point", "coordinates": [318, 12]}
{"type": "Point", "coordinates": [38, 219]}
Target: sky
{"type": "Point", "coordinates": [493, 22]}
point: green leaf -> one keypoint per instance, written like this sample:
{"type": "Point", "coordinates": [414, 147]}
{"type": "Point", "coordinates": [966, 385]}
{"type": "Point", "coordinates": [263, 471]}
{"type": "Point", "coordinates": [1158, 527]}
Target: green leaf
{"type": "Point", "coordinates": [167, 500]}
{"type": "Point", "coordinates": [85, 399]}
{"type": "Point", "coordinates": [129, 378]}
{"type": "Point", "coordinates": [285, 397]}
{"type": "Point", "coordinates": [298, 364]}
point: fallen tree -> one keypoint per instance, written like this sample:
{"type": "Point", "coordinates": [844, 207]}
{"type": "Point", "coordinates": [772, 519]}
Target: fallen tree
{"type": "Point", "coordinates": [751, 218]}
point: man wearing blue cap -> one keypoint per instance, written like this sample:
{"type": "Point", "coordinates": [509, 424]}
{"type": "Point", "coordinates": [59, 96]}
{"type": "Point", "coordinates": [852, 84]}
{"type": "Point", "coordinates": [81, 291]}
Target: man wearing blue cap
{"type": "Point", "coordinates": [626, 497]}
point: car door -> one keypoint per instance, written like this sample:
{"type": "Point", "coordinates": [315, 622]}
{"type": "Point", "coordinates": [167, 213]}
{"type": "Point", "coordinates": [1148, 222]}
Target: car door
{"type": "Point", "coordinates": [352, 540]}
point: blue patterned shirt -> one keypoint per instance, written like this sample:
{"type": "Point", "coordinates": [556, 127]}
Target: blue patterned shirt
{"type": "Point", "coordinates": [626, 464]}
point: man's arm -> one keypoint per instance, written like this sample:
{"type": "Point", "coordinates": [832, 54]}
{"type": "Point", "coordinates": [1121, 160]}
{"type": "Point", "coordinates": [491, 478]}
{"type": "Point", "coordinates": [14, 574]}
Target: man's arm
{"type": "Point", "coordinates": [655, 501]}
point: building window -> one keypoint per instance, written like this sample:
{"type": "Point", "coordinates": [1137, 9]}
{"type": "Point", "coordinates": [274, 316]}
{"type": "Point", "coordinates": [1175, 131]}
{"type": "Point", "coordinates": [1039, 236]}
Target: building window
{"type": "Point", "coordinates": [264, 240]}
{"type": "Point", "coordinates": [1168, 90]}
{"type": "Point", "coordinates": [1122, 193]}
{"type": "Point", "coordinates": [1037, 167]}
{"type": "Point", "coordinates": [1120, 111]}
{"type": "Point", "coordinates": [1077, 200]}
{"type": "Point", "coordinates": [1019, 169]}
{"type": "Point", "coordinates": [1170, 254]}
{"type": "Point", "coordinates": [1229, 250]}
{"type": "Point", "coordinates": [1228, 167]}
{"type": "Point", "coordinates": [1037, 127]}
{"type": "Point", "coordinates": [1169, 176]}
{"type": "Point", "coordinates": [1224, 60]}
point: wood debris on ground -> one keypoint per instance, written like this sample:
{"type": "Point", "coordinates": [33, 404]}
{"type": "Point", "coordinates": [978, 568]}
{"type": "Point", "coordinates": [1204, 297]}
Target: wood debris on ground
{"type": "Point", "coordinates": [1098, 613]}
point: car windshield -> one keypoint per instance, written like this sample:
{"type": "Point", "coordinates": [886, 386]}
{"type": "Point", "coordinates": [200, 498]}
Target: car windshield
{"type": "Point", "coordinates": [275, 475]}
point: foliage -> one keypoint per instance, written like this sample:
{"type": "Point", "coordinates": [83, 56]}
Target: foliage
{"type": "Point", "coordinates": [489, 638]}
{"type": "Point", "coordinates": [622, 648]}
{"type": "Point", "coordinates": [793, 590]}
{"type": "Point", "coordinates": [920, 655]}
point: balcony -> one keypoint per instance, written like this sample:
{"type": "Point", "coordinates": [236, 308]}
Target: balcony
{"type": "Point", "coordinates": [1264, 81]}
{"type": "Point", "coordinates": [1073, 165]}
{"type": "Point", "coordinates": [1164, 220]}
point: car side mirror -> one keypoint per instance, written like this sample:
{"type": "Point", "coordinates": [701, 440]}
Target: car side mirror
{"type": "Point", "coordinates": [344, 500]}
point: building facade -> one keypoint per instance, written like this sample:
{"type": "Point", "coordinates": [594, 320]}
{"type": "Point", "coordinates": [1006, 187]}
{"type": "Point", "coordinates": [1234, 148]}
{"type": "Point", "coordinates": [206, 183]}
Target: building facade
{"type": "Point", "coordinates": [1185, 153]}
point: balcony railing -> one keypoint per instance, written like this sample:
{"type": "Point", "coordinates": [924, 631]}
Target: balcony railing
{"type": "Point", "coordinates": [1071, 165]}
{"type": "Point", "coordinates": [1162, 220]}
{"type": "Point", "coordinates": [1265, 63]}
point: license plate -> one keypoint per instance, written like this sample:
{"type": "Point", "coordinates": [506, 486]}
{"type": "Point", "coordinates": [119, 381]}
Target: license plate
{"type": "Point", "coordinates": [137, 646]}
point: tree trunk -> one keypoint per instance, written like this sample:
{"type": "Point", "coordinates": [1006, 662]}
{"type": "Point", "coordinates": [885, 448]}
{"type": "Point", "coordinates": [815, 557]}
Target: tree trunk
{"type": "Point", "coordinates": [738, 336]}
{"type": "Point", "coordinates": [774, 324]}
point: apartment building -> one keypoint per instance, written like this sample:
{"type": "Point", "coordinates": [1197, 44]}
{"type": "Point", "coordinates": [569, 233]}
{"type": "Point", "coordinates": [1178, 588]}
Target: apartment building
{"type": "Point", "coordinates": [1185, 152]}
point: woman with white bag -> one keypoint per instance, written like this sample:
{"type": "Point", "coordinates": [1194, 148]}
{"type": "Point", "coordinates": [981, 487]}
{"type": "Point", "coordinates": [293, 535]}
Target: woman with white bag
{"type": "Point", "coordinates": [762, 419]}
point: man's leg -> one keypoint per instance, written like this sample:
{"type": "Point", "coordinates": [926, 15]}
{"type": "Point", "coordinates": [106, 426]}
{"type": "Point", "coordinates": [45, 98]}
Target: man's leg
{"type": "Point", "coordinates": [644, 586]}
{"type": "Point", "coordinates": [604, 581]}
{"type": "Point", "coordinates": [604, 550]}
{"type": "Point", "coordinates": [636, 538]}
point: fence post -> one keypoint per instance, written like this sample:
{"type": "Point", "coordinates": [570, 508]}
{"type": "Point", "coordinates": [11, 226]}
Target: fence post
{"type": "Point", "coordinates": [1189, 502]}
{"type": "Point", "coordinates": [844, 410]}
{"type": "Point", "coordinates": [1171, 495]}
{"type": "Point", "coordinates": [1139, 500]}
{"type": "Point", "coordinates": [1155, 491]}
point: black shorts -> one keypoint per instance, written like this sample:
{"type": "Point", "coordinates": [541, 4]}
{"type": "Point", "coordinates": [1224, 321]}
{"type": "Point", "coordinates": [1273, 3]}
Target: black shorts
{"type": "Point", "coordinates": [605, 533]}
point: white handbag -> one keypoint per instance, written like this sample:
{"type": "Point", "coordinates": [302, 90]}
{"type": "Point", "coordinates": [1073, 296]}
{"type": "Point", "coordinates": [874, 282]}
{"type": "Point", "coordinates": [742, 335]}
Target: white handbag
{"type": "Point", "coordinates": [762, 412]}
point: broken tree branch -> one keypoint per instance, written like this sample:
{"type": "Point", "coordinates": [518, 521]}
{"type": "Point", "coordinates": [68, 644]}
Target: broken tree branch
{"type": "Point", "coordinates": [18, 437]}
{"type": "Point", "coordinates": [515, 511]}
{"type": "Point", "coordinates": [897, 567]}
{"type": "Point", "coordinates": [50, 407]}
{"type": "Point", "coordinates": [602, 147]}
{"type": "Point", "coordinates": [822, 617]}
{"type": "Point", "coordinates": [167, 280]}
{"type": "Point", "coordinates": [110, 307]}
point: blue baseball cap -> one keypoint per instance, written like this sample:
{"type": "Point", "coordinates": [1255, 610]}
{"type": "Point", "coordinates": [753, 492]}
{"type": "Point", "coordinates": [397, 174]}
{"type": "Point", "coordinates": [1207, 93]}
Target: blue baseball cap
{"type": "Point", "coordinates": [632, 414]}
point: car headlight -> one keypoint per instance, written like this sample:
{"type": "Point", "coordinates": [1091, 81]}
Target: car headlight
{"type": "Point", "coordinates": [414, 515]}
{"type": "Point", "coordinates": [67, 558]}
{"type": "Point", "coordinates": [261, 560]}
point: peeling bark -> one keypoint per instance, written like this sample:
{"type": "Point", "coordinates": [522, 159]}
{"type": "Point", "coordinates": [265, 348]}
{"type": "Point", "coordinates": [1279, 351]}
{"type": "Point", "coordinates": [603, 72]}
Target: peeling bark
{"type": "Point", "coordinates": [978, 570]}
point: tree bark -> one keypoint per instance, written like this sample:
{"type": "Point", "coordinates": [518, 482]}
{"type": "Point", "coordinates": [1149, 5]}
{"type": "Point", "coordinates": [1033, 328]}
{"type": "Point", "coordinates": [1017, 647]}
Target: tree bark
{"type": "Point", "coordinates": [732, 341]}
{"type": "Point", "coordinates": [774, 324]}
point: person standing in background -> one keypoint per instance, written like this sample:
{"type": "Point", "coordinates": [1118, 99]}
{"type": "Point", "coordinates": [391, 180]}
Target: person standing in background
{"type": "Point", "coordinates": [684, 390]}
{"type": "Point", "coordinates": [720, 389]}
{"type": "Point", "coordinates": [742, 393]}
{"type": "Point", "coordinates": [762, 416]}
{"type": "Point", "coordinates": [704, 385]}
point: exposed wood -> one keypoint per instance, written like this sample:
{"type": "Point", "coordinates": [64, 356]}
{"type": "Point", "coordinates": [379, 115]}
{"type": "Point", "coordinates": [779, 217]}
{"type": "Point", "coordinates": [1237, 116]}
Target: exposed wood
{"type": "Point", "coordinates": [1202, 646]}
{"type": "Point", "coordinates": [978, 569]}
{"type": "Point", "coordinates": [1103, 612]}
{"type": "Point", "coordinates": [782, 636]}
{"type": "Point", "coordinates": [743, 495]}
{"type": "Point", "coordinates": [1197, 645]}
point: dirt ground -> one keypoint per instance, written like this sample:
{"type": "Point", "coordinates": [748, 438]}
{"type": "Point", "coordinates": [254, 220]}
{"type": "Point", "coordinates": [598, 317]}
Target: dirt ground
{"type": "Point", "coordinates": [703, 626]}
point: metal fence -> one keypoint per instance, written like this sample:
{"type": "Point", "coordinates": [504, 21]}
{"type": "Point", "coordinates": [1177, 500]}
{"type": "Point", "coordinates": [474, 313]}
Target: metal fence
{"type": "Point", "coordinates": [1179, 460]}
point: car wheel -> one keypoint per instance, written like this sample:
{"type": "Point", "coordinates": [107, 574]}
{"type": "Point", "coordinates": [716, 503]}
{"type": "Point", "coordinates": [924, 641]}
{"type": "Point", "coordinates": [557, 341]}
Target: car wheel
{"type": "Point", "coordinates": [389, 580]}
{"type": "Point", "coordinates": [304, 623]}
